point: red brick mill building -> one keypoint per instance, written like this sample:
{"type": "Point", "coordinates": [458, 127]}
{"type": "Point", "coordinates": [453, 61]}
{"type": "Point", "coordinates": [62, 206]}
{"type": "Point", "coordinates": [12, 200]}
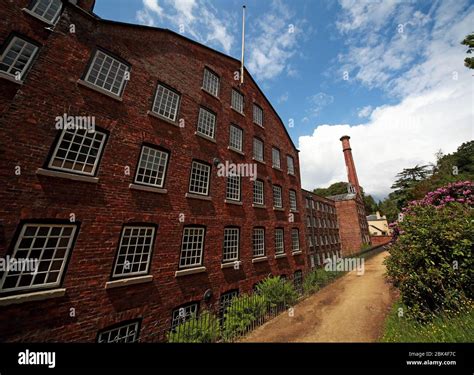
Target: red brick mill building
{"type": "Point", "coordinates": [131, 222]}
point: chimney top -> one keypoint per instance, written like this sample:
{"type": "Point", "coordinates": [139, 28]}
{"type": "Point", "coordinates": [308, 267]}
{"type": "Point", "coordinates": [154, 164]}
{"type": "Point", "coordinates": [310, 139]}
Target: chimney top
{"type": "Point", "coordinates": [344, 137]}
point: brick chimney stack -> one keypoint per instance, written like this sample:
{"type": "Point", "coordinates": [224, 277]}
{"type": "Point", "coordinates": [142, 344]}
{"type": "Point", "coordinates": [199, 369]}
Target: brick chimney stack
{"type": "Point", "coordinates": [351, 170]}
{"type": "Point", "coordinates": [87, 5]}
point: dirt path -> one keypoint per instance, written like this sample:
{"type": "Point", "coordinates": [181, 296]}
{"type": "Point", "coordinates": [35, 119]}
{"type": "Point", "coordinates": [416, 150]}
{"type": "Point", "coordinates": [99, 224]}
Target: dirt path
{"type": "Point", "coordinates": [352, 309]}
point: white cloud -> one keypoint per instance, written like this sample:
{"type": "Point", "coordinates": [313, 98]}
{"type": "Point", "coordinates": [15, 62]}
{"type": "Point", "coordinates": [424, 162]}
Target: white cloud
{"type": "Point", "coordinates": [365, 111]}
{"type": "Point", "coordinates": [197, 18]}
{"type": "Point", "coordinates": [318, 102]}
{"type": "Point", "coordinates": [283, 98]}
{"type": "Point", "coordinates": [435, 110]}
{"type": "Point", "coordinates": [274, 42]}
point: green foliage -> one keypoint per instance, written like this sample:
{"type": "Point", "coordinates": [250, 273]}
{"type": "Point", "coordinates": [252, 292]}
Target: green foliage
{"type": "Point", "coordinates": [431, 262]}
{"type": "Point", "coordinates": [318, 278]}
{"type": "Point", "coordinates": [202, 329]}
{"type": "Point", "coordinates": [334, 189]}
{"type": "Point", "coordinates": [277, 292]}
{"type": "Point", "coordinates": [242, 314]}
{"type": "Point", "coordinates": [469, 41]}
{"type": "Point", "coordinates": [449, 326]}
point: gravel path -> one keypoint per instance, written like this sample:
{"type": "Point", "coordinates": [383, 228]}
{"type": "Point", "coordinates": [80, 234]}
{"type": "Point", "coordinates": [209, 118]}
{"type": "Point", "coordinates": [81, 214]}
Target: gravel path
{"type": "Point", "coordinates": [351, 309]}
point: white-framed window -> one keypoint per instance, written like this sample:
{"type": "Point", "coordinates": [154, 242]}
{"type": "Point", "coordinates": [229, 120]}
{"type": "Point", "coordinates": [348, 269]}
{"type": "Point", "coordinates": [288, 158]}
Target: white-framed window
{"type": "Point", "coordinates": [295, 240]}
{"type": "Point", "coordinates": [257, 149]}
{"type": "Point", "coordinates": [279, 242]}
{"type": "Point", "coordinates": [78, 151]}
{"type": "Point", "coordinates": [277, 198]}
{"type": "Point", "coordinates": [184, 313]}
{"type": "Point", "coordinates": [45, 249]}
{"type": "Point", "coordinates": [225, 301]}
{"type": "Point", "coordinates": [257, 115]}
{"type": "Point", "coordinates": [293, 205]}
{"type": "Point", "coordinates": [152, 167]}
{"type": "Point", "coordinates": [107, 73]}
{"type": "Point", "coordinates": [210, 82]}
{"type": "Point", "coordinates": [258, 242]}
{"type": "Point", "coordinates": [123, 333]}
{"type": "Point", "coordinates": [235, 137]}
{"type": "Point", "coordinates": [276, 163]}
{"type": "Point", "coordinates": [206, 123]}
{"type": "Point", "coordinates": [308, 221]}
{"type": "Point", "coordinates": [166, 102]}
{"type": "Point", "coordinates": [199, 181]}
{"type": "Point", "coordinates": [258, 192]}
{"type": "Point", "coordinates": [291, 165]}
{"type": "Point", "coordinates": [134, 252]}
{"type": "Point", "coordinates": [192, 247]}
{"type": "Point", "coordinates": [237, 101]}
{"type": "Point", "coordinates": [231, 244]}
{"type": "Point", "coordinates": [233, 188]}
{"type": "Point", "coordinates": [47, 10]}
{"type": "Point", "coordinates": [298, 280]}
{"type": "Point", "coordinates": [17, 57]}
{"type": "Point", "coordinates": [307, 202]}
{"type": "Point", "coordinates": [310, 241]}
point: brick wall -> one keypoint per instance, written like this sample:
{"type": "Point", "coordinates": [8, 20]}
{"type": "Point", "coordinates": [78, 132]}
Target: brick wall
{"type": "Point", "coordinates": [380, 240]}
{"type": "Point", "coordinates": [28, 133]}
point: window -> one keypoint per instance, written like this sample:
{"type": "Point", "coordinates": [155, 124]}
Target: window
{"type": "Point", "coordinates": [237, 101]}
{"type": "Point", "coordinates": [226, 300]}
{"type": "Point", "coordinates": [47, 245]}
{"type": "Point", "coordinates": [310, 241]}
{"type": "Point", "coordinates": [257, 115]}
{"type": "Point", "coordinates": [210, 82]}
{"type": "Point", "coordinates": [257, 149]}
{"type": "Point", "coordinates": [307, 202]}
{"type": "Point", "coordinates": [123, 333]}
{"type": "Point", "coordinates": [258, 196]}
{"type": "Point", "coordinates": [184, 313]}
{"type": "Point", "coordinates": [17, 58]}
{"type": "Point", "coordinates": [298, 281]}
{"type": "Point", "coordinates": [275, 158]}
{"type": "Point", "coordinates": [293, 205]}
{"type": "Point", "coordinates": [231, 245]}
{"type": "Point", "coordinates": [192, 247]}
{"type": "Point", "coordinates": [233, 188]}
{"type": "Point", "coordinates": [166, 102]}
{"type": "Point", "coordinates": [107, 73]}
{"type": "Point", "coordinates": [235, 138]}
{"type": "Point", "coordinates": [152, 167]}
{"type": "Point", "coordinates": [279, 243]}
{"type": "Point", "coordinates": [258, 242]}
{"type": "Point", "coordinates": [277, 201]}
{"type": "Point", "coordinates": [134, 252]}
{"type": "Point", "coordinates": [199, 181]}
{"type": "Point", "coordinates": [78, 151]}
{"type": "Point", "coordinates": [290, 164]}
{"type": "Point", "coordinates": [295, 240]}
{"type": "Point", "coordinates": [206, 123]}
{"type": "Point", "coordinates": [47, 10]}
{"type": "Point", "coordinates": [308, 221]}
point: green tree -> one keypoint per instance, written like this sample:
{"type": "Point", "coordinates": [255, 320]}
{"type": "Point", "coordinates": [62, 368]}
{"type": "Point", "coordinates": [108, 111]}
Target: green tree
{"type": "Point", "coordinates": [469, 42]}
{"type": "Point", "coordinates": [334, 189]}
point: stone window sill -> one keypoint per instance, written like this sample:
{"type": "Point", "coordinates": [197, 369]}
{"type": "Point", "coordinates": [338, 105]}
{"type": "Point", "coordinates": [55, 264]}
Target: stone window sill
{"type": "Point", "coordinates": [98, 89]}
{"type": "Point", "coordinates": [150, 189]}
{"type": "Point", "coordinates": [259, 161]}
{"type": "Point", "coordinates": [34, 296]}
{"type": "Point", "coordinates": [128, 281]}
{"type": "Point", "coordinates": [279, 256]}
{"type": "Point", "coordinates": [69, 176]}
{"type": "Point", "coordinates": [159, 117]}
{"type": "Point", "coordinates": [230, 264]}
{"type": "Point", "coordinates": [10, 78]}
{"type": "Point", "coordinates": [294, 253]}
{"type": "Point", "coordinates": [205, 137]}
{"type": "Point", "coordinates": [236, 111]}
{"type": "Point", "coordinates": [190, 271]}
{"type": "Point", "coordinates": [277, 168]}
{"type": "Point", "coordinates": [259, 259]}
{"type": "Point", "coordinates": [230, 201]}
{"type": "Point", "coordinates": [278, 209]}
{"type": "Point", "coordinates": [236, 150]}
{"type": "Point", "coordinates": [254, 205]}
{"type": "Point", "coordinates": [197, 196]}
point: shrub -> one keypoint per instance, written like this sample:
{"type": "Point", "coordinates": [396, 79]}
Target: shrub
{"type": "Point", "coordinates": [431, 262]}
{"type": "Point", "coordinates": [241, 315]}
{"type": "Point", "coordinates": [318, 278]}
{"type": "Point", "coordinates": [277, 292]}
{"type": "Point", "coordinates": [202, 329]}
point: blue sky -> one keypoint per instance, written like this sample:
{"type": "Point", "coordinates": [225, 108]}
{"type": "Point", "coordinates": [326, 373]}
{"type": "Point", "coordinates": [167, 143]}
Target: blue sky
{"type": "Point", "coordinates": [388, 73]}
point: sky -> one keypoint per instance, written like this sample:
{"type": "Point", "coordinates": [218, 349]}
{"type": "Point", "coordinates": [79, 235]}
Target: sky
{"type": "Point", "coordinates": [388, 73]}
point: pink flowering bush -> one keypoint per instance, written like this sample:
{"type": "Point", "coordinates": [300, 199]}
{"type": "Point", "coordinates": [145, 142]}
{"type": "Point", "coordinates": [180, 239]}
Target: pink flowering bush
{"type": "Point", "coordinates": [431, 260]}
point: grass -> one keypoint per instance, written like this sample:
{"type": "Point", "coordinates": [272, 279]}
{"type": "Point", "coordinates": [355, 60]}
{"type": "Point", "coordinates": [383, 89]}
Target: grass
{"type": "Point", "coordinates": [445, 327]}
